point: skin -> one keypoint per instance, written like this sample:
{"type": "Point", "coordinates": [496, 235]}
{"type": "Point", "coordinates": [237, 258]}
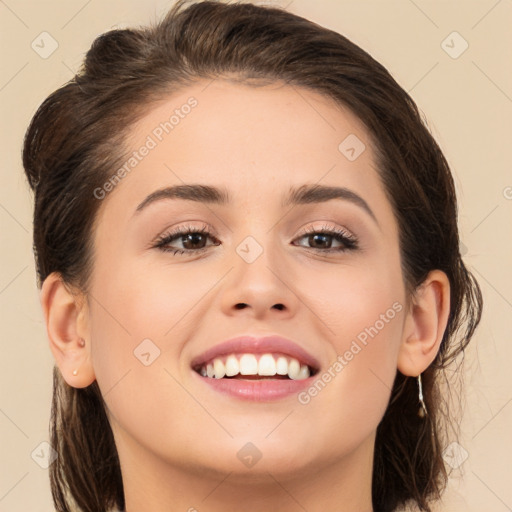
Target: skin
{"type": "Point", "coordinates": [177, 439]}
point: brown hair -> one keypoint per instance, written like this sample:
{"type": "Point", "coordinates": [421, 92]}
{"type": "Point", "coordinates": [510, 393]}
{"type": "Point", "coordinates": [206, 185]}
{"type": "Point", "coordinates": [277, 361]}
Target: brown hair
{"type": "Point", "coordinates": [74, 144]}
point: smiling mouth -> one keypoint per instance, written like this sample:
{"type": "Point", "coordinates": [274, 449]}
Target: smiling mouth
{"type": "Point", "coordinates": [247, 366]}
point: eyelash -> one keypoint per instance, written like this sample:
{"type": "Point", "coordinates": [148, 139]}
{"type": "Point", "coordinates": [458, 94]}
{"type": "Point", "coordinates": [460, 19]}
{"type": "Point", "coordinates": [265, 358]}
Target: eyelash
{"type": "Point", "coordinates": [350, 241]}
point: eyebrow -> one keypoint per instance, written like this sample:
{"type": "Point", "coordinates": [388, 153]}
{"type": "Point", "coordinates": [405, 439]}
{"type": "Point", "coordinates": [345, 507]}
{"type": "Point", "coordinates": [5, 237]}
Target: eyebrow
{"type": "Point", "coordinates": [305, 194]}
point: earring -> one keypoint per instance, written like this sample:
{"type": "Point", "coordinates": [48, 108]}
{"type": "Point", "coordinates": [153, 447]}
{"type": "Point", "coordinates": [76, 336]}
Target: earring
{"type": "Point", "coordinates": [82, 344]}
{"type": "Point", "coordinates": [423, 409]}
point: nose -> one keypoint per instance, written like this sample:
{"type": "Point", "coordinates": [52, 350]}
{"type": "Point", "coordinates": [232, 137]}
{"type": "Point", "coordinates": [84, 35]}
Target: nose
{"type": "Point", "coordinates": [260, 288]}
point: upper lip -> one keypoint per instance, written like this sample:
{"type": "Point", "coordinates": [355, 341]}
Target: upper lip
{"type": "Point", "coordinates": [250, 344]}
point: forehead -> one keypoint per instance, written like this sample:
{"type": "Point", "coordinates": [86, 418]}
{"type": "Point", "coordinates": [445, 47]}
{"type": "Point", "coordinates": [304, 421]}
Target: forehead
{"type": "Point", "coordinates": [257, 141]}
{"type": "Point", "coordinates": [249, 118]}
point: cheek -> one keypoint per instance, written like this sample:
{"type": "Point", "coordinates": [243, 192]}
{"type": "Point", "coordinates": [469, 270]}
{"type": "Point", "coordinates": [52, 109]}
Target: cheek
{"type": "Point", "coordinates": [355, 388]}
{"type": "Point", "coordinates": [130, 316]}
{"type": "Point", "coordinates": [146, 298]}
{"type": "Point", "coordinates": [361, 312]}
{"type": "Point", "coordinates": [354, 300]}
{"type": "Point", "coordinates": [138, 309]}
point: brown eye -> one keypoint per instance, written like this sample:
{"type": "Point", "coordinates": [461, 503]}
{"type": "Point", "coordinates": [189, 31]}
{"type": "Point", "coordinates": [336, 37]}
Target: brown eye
{"type": "Point", "coordinates": [193, 240]}
{"type": "Point", "coordinates": [321, 240]}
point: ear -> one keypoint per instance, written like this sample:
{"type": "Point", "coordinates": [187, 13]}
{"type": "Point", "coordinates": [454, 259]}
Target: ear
{"type": "Point", "coordinates": [425, 324]}
{"type": "Point", "coordinates": [66, 318]}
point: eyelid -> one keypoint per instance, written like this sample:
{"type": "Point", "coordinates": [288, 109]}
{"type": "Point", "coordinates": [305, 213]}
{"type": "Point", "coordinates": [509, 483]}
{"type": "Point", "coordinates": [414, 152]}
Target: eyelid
{"type": "Point", "coordinates": [326, 228]}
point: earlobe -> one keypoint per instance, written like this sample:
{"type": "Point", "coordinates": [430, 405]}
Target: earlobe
{"type": "Point", "coordinates": [64, 318]}
{"type": "Point", "coordinates": [425, 324]}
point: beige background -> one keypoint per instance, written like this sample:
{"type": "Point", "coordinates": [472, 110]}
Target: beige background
{"type": "Point", "coordinates": [468, 103]}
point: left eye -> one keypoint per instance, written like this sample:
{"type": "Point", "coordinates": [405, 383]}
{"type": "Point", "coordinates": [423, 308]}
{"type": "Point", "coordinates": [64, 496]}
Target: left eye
{"type": "Point", "coordinates": [325, 236]}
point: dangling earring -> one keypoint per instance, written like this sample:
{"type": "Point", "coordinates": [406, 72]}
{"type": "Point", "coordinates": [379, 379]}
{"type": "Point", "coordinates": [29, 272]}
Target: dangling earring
{"type": "Point", "coordinates": [422, 412]}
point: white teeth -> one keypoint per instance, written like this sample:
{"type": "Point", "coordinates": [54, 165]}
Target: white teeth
{"type": "Point", "coordinates": [304, 371]}
{"type": "Point", "coordinates": [293, 369]}
{"type": "Point", "coordinates": [248, 364]}
{"type": "Point", "coordinates": [232, 366]}
{"type": "Point", "coordinates": [219, 368]}
{"type": "Point", "coordinates": [282, 366]}
{"type": "Point", "coordinates": [266, 365]}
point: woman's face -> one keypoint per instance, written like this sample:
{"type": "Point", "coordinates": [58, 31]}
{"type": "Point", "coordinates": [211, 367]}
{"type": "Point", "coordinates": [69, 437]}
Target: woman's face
{"type": "Point", "coordinates": [260, 271]}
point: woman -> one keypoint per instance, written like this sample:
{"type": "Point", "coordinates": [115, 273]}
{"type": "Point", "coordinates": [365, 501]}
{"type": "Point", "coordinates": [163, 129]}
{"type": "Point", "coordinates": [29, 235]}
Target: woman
{"type": "Point", "coordinates": [247, 246]}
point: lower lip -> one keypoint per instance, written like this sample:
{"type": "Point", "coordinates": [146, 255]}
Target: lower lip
{"type": "Point", "coordinates": [257, 390]}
